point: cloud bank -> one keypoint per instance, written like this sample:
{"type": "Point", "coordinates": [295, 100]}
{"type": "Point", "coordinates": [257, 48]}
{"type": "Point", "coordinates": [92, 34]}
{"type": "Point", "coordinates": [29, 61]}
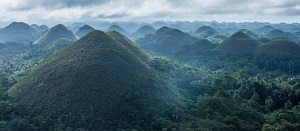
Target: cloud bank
{"type": "Point", "coordinates": [38, 11]}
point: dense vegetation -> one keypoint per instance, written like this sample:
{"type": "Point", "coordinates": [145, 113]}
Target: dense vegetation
{"type": "Point", "coordinates": [219, 77]}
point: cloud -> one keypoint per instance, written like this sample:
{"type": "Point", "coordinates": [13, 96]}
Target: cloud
{"type": "Point", "coordinates": [119, 10]}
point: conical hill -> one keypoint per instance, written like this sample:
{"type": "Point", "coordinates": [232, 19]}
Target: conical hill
{"type": "Point", "coordinates": [238, 43]}
{"type": "Point", "coordinates": [55, 33]}
{"type": "Point", "coordinates": [97, 82]}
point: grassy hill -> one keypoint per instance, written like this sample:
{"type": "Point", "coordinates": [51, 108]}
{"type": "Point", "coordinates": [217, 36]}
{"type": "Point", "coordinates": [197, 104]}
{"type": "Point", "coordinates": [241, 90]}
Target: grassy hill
{"type": "Point", "coordinates": [238, 43]}
{"type": "Point", "coordinates": [41, 28]}
{"type": "Point", "coordinates": [278, 47]}
{"type": "Point", "coordinates": [142, 31]}
{"type": "Point", "coordinates": [118, 29]}
{"type": "Point", "coordinates": [264, 30]}
{"type": "Point", "coordinates": [96, 83]}
{"type": "Point", "coordinates": [19, 32]}
{"type": "Point", "coordinates": [84, 30]}
{"type": "Point", "coordinates": [204, 28]}
{"type": "Point", "coordinates": [248, 32]}
{"type": "Point", "coordinates": [135, 49]}
{"type": "Point", "coordinates": [195, 49]}
{"type": "Point", "coordinates": [55, 33]}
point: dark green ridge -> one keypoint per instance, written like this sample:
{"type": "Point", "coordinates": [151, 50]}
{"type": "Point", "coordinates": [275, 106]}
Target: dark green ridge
{"type": "Point", "coordinates": [99, 74]}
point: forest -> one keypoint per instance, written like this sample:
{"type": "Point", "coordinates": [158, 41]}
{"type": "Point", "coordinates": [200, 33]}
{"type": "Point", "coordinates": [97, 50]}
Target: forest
{"type": "Point", "coordinates": [156, 76]}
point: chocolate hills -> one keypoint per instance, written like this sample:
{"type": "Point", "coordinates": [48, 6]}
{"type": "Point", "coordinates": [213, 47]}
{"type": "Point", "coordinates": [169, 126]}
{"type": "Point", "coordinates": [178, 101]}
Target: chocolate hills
{"type": "Point", "coordinates": [278, 47]}
{"type": "Point", "coordinates": [238, 43]}
{"type": "Point", "coordinates": [41, 28]}
{"type": "Point", "coordinates": [129, 44]}
{"type": "Point", "coordinates": [96, 83]}
{"type": "Point", "coordinates": [142, 31]}
{"type": "Point", "coordinates": [165, 40]}
{"type": "Point", "coordinates": [84, 30]}
{"type": "Point", "coordinates": [19, 32]}
{"type": "Point", "coordinates": [195, 49]}
{"type": "Point", "coordinates": [265, 29]}
{"type": "Point", "coordinates": [55, 33]}
{"type": "Point", "coordinates": [118, 29]}
{"type": "Point", "coordinates": [204, 28]}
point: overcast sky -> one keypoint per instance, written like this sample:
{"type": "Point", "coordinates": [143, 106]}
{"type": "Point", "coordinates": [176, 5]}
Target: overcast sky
{"type": "Point", "coordinates": [56, 11]}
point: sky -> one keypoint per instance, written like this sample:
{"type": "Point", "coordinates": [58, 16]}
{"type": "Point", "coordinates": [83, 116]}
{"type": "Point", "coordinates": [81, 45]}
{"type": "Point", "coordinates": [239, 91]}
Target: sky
{"type": "Point", "coordinates": [62, 11]}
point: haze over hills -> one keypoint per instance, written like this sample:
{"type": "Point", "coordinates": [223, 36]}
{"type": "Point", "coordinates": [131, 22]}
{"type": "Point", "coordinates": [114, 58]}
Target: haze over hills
{"type": "Point", "coordinates": [19, 32]}
{"type": "Point", "coordinates": [72, 83]}
{"type": "Point", "coordinates": [57, 32]}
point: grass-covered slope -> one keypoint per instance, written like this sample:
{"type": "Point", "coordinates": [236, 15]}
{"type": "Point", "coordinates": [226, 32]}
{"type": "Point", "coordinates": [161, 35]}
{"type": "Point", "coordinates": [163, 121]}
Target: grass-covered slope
{"type": "Point", "coordinates": [96, 83]}
{"type": "Point", "coordinates": [135, 49]}
{"type": "Point", "coordinates": [55, 33]}
{"type": "Point", "coordinates": [19, 32]}
{"type": "Point", "coordinates": [238, 43]}
{"type": "Point", "coordinates": [279, 47]}
{"type": "Point", "coordinates": [84, 30]}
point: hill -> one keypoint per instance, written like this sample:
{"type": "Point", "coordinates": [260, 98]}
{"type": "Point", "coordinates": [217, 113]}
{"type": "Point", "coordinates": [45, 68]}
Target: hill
{"type": "Point", "coordinates": [165, 41]}
{"type": "Point", "coordinates": [118, 29]}
{"type": "Point", "coordinates": [41, 28]}
{"type": "Point", "coordinates": [276, 33]}
{"type": "Point", "coordinates": [278, 47]}
{"type": "Point", "coordinates": [238, 43]}
{"type": "Point", "coordinates": [19, 32]}
{"type": "Point", "coordinates": [204, 28]}
{"type": "Point", "coordinates": [55, 33]}
{"type": "Point", "coordinates": [195, 49]}
{"type": "Point", "coordinates": [129, 44]}
{"type": "Point", "coordinates": [265, 29]}
{"type": "Point", "coordinates": [96, 83]}
{"type": "Point", "coordinates": [249, 33]}
{"type": "Point", "coordinates": [84, 30]}
{"type": "Point", "coordinates": [142, 31]}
